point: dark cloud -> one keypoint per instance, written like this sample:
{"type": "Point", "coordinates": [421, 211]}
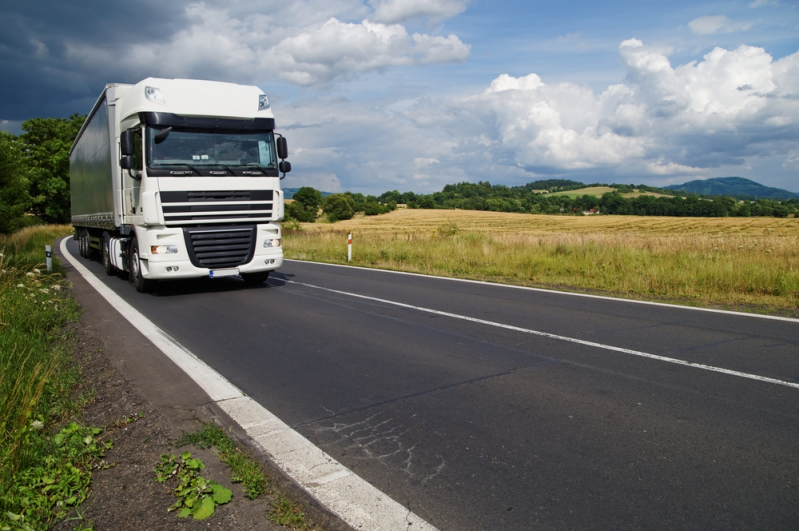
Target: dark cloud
{"type": "Point", "coordinates": [39, 76]}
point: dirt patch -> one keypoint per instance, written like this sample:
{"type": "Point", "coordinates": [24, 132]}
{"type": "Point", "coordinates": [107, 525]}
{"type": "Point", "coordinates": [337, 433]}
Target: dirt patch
{"type": "Point", "coordinates": [125, 496]}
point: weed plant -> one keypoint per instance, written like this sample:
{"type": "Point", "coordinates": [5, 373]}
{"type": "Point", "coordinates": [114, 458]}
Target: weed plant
{"type": "Point", "coordinates": [243, 469]}
{"type": "Point", "coordinates": [758, 269]}
{"type": "Point", "coordinates": [35, 373]}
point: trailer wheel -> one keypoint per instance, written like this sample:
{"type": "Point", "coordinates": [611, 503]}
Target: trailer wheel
{"type": "Point", "coordinates": [83, 243]}
{"type": "Point", "coordinates": [255, 278]}
{"type": "Point", "coordinates": [79, 237]}
{"type": "Point", "coordinates": [109, 267]}
{"type": "Point", "coordinates": [142, 284]}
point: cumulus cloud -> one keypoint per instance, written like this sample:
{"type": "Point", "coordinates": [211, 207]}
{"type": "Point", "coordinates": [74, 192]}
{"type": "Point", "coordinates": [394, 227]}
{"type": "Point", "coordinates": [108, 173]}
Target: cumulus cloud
{"type": "Point", "coordinates": [732, 106]}
{"type": "Point", "coordinates": [338, 49]}
{"type": "Point", "coordinates": [393, 11]}
{"type": "Point", "coordinates": [219, 44]}
{"type": "Point", "coordinates": [717, 24]}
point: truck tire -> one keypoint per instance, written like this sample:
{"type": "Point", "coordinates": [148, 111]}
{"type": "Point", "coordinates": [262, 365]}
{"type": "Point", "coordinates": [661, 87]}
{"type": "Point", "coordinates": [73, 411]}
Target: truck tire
{"type": "Point", "coordinates": [109, 267]}
{"type": "Point", "coordinates": [81, 243]}
{"type": "Point", "coordinates": [142, 284]}
{"type": "Point", "coordinates": [255, 278]}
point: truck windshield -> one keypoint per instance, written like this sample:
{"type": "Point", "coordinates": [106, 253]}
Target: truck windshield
{"type": "Point", "coordinates": [196, 148]}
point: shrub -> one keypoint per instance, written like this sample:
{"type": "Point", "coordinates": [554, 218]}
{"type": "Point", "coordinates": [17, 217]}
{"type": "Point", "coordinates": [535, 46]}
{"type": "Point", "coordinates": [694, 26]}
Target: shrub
{"type": "Point", "coordinates": [339, 207]}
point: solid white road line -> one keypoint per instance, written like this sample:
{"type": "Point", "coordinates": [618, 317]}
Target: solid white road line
{"type": "Point", "coordinates": [555, 336]}
{"type": "Point", "coordinates": [332, 484]}
{"type": "Point", "coordinates": [556, 292]}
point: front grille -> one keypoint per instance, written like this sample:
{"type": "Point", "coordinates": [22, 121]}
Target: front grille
{"type": "Point", "coordinates": [192, 208]}
{"type": "Point", "coordinates": [243, 195]}
{"type": "Point", "coordinates": [220, 248]}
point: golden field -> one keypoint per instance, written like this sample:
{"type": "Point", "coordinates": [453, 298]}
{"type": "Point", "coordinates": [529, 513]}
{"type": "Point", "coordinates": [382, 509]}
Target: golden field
{"type": "Point", "coordinates": [745, 263]}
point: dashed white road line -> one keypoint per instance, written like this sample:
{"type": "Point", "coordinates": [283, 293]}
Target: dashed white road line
{"type": "Point", "coordinates": [344, 493]}
{"type": "Point", "coordinates": [555, 336]}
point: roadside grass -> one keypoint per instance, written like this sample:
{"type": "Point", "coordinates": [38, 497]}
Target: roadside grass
{"type": "Point", "coordinates": [43, 474]}
{"type": "Point", "coordinates": [742, 263]}
{"type": "Point", "coordinates": [246, 471]}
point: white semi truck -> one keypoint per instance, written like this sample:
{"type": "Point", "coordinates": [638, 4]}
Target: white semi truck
{"type": "Point", "coordinates": [177, 178]}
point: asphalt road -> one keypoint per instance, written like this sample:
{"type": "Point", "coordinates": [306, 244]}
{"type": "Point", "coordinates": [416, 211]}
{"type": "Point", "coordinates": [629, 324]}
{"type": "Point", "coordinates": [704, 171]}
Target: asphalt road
{"type": "Point", "coordinates": [475, 427]}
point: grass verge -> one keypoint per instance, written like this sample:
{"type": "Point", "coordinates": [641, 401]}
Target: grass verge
{"type": "Point", "coordinates": [246, 471]}
{"type": "Point", "coordinates": [709, 263]}
{"type": "Point", "coordinates": [44, 473]}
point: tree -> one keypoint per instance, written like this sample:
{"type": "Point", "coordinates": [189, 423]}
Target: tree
{"type": "Point", "coordinates": [47, 142]}
{"type": "Point", "coordinates": [14, 197]}
{"type": "Point", "coordinates": [339, 207]}
{"type": "Point", "coordinates": [306, 204]}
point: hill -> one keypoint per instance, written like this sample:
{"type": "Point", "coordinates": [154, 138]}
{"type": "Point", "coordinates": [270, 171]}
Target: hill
{"type": "Point", "coordinates": [737, 187]}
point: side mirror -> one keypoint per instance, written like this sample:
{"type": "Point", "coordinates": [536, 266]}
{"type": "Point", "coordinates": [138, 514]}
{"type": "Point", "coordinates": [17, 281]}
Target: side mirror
{"type": "Point", "coordinates": [126, 162]}
{"type": "Point", "coordinates": [282, 148]}
{"type": "Point", "coordinates": [284, 166]}
{"type": "Point", "coordinates": [126, 142]}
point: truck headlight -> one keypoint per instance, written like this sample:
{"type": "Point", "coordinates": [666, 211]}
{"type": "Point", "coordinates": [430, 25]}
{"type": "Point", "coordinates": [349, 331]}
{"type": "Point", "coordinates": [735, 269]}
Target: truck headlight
{"type": "Point", "coordinates": [272, 243]}
{"type": "Point", "coordinates": [164, 249]}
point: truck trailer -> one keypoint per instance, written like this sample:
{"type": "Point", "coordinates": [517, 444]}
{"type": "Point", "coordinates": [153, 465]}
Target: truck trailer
{"type": "Point", "coordinates": [176, 178]}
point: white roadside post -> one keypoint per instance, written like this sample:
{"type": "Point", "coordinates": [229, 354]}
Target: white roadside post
{"type": "Point", "coordinates": [48, 253]}
{"type": "Point", "coordinates": [349, 248]}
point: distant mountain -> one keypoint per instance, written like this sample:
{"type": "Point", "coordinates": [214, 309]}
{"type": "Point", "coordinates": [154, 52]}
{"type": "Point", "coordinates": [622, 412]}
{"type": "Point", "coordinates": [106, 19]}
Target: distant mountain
{"type": "Point", "coordinates": [288, 193]}
{"type": "Point", "coordinates": [734, 187]}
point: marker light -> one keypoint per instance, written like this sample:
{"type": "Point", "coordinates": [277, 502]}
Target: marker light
{"type": "Point", "coordinates": [263, 102]}
{"type": "Point", "coordinates": [154, 95]}
{"type": "Point", "coordinates": [164, 249]}
{"type": "Point", "coordinates": [272, 243]}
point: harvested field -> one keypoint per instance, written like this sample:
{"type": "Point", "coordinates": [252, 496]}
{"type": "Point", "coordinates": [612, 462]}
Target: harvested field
{"type": "Point", "coordinates": [744, 263]}
{"type": "Point", "coordinates": [500, 222]}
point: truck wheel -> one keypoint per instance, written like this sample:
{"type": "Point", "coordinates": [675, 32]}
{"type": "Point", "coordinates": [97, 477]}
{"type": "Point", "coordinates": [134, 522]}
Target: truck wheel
{"type": "Point", "coordinates": [109, 267]}
{"type": "Point", "coordinates": [142, 284]}
{"type": "Point", "coordinates": [84, 243]}
{"type": "Point", "coordinates": [255, 278]}
{"type": "Point", "coordinates": [81, 243]}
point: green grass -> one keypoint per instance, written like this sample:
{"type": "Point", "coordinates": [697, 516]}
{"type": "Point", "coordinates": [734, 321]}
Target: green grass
{"type": "Point", "coordinates": [243, 469]}
{"type": "Point", "coordinates": [284, 512]}
{"type": "Point", "coordinates": [36, 379]}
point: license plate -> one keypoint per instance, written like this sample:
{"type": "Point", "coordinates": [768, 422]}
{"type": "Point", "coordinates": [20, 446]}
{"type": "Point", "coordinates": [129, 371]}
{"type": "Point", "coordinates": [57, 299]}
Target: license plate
{"type": "Point", "coordinates": [218, 273]}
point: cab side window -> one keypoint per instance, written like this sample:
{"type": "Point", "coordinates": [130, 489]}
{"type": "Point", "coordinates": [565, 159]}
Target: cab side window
{"type": "Point", "coordinates": [138, 159]}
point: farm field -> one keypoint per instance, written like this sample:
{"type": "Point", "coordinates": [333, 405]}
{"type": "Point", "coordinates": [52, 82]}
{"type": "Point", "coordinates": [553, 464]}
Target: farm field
{"type": "Point", "coordinates": [742, 263]}
{"type": "Point", "coordinates": [599, 190]}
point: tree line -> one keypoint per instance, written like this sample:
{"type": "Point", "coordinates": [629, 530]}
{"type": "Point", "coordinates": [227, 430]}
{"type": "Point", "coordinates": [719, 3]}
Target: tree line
{"type": "Point", "coordinates": [532, 199]}
{"type": "Point", "coordinates": [34, 172]}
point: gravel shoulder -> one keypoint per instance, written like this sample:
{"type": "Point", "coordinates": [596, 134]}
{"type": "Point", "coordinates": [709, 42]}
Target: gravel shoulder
{"type": "Point", "coordinates": [124, 496]}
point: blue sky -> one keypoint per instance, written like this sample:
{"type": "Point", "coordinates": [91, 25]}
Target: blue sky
{"type": "Point", "coordinates": [415, 94]}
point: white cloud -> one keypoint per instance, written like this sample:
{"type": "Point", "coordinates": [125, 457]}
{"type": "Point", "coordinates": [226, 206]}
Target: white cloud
{"type": "Point", "coordinates": [717, 24]}
{"type": "Point", "coordinates": [248, 47]}
{"type": "Point", "coordinates": [393, 11]}
{"type": "Point", "coordinates": [758, 3]}
{"type": "Point", "coordinates": [731, 106]}
{"type": "Point", "coordinates": [337, 49]}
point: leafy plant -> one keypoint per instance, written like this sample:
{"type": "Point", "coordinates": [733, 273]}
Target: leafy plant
{"type": "Point", "coordinates": [244, 470]}
{"type": "Point", "coordinates": [46, 492]}
{"type": "Point", "coordinates": [197, 496]}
